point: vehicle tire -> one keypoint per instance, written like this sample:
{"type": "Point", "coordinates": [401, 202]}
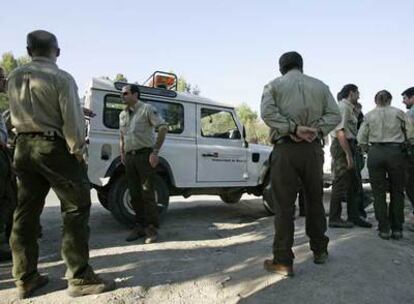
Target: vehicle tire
{"type": "Point", "coordinates": [103, 198]}
{"type": "Point", "coordinates": [231, 197]}
{"type": "Point", "coordinates": [119, 200]}
{"type": "Point", "coordinates": [268, 199]}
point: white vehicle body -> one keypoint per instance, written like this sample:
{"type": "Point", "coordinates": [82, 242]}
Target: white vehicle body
{"type": "Point", "coordinates": [191, 162]}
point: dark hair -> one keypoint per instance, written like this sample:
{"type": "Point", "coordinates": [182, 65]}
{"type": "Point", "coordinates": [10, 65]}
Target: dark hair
{"type": "Point", "coordinates": [41, 42]}
{"type": "Point", "coordinates": [133, 88]}
{"type": "Point", "coordinates": [347, 89]}
{"type": "Point", "coordinates": [383, 98]}
{"type": "Point", "coordinates": [409, 92]}
{"type": "Point", "coordinates": [289, 61]}
{"type": "Point", "coordinates": [339, 96]}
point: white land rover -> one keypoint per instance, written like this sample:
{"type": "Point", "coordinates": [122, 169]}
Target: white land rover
{"type": "Point", "coordinates": [205, 151]}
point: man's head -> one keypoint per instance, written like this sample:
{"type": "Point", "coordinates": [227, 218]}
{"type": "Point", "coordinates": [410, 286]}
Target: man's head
{"type": "Point", "coordinates": [2, 80]}
{"type": "Point", "coordinates": [350, 92]}
{"type": "Point", "coordinates": [130, 94]}
{"type": "Point", "coordinates": [408, 97]}
{"type": "Point", "coordinates": [42, 43]}
{"type": "Point", "coordinates": [290, 61]}
{"type": "Point", "coordinates": [383, 98]}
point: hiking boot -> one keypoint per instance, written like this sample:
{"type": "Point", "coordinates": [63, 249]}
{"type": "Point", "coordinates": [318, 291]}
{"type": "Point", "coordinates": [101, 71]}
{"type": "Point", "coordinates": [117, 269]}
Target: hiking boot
{"type": "Point", "coordinates": [340, 223]}
{"type": "Point", "coordinates": [89, 286]}
{"type": "Point", "coordinates": [26, 289]}
{"type": "Point", "coordinates": [385, 235]}
{"type": "Point", "coordinates": [362, 223]}
{"type": "Point", "coordinates": [397, 235]}
{"type": "Point", "coordinates": [151, 234]}
{"type": "Point", "coordinates": [136, 233]}
{"type": "Point", "coordinates": [320, 258]}
{"type": "Point", "coordinates": [284, 270]}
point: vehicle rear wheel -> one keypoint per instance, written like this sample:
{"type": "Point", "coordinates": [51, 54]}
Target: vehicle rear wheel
{"type": "Point", "coordinates": [119, 199]}
{"type": "Point", "coordinates": [231, 197]}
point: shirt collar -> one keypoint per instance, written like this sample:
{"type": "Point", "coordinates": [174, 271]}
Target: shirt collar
{"type": "Point", "coordinates": [43, 59]}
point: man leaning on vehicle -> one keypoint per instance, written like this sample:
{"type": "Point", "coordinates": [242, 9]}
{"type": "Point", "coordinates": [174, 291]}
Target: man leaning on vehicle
{"type": "Point", "coordinates": [139, 153]}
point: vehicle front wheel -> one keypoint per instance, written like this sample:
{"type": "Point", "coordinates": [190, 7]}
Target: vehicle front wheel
{"type": "Point", "coordinates": [119, 199]}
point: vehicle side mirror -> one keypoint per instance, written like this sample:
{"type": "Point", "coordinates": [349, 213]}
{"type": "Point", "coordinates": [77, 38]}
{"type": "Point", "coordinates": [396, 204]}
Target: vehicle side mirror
{"type": "Point", "coordinates": [245, 143]}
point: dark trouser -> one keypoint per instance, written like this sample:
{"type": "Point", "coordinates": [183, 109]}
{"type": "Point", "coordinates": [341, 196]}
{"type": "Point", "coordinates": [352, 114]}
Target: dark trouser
{"type": "Point", "coordinates": [383, 161]}
{"type": "Point", "coordinates": [42, 164]}
{"type": "Point", "coordinates": [140, 177]}
{"type": "Point", "coordinates": [359, 197]}
{"type": "Point", "coordinates": [344, 186]}
{"type": "Point", "coordinates": [7, 193]}
{"type": "Point", "coordinates": [289, 162]}
{"type": "Point", "coordinates": [409, 185]}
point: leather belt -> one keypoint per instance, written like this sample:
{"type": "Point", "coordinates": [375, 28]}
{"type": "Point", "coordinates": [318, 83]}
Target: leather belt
{"type": "Point", "coordinates": [139, 151]}
{"type": "Point", "coordinates": [288, 140]}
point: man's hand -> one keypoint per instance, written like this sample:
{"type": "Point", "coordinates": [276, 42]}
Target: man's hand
{"type": "Point", "coordinates": [88, 112]}
{"type": "Point", "coordinates": [154, 160]}
{"type": "Point", "coordinates": [79, 157]}
{"type": "Point", "coordinates": [306, 133]}
{"type": "Point", "coordinates": [350, 162]}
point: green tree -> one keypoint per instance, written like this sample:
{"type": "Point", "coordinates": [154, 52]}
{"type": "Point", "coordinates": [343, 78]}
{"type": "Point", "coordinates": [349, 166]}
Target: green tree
{"type": "Point", "coordinates": [8, 62]}
{"type": "Point", "coordinates": [22, 60]}
{"type": "Point", "coordinates": [246, 114]}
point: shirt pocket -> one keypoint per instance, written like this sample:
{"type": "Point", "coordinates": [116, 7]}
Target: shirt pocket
{"type": "Point", "coordinates": [140, 128]}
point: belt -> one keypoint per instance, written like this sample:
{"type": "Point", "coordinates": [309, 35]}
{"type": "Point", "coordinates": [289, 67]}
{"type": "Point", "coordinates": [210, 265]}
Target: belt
{"type": "Point", "coordinates": [49, 135]}
{"type": "Point", "coordinates": [139, 151]}
{"type": "Point", "coordinates": [387, 144]}
{"type": "Point", "coordinates": [288, 140]}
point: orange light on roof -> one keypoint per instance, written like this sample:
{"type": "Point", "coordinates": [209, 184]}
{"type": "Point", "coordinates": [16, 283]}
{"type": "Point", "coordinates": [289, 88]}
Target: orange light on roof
{"type": "Point", "coordinates": [162, 81]}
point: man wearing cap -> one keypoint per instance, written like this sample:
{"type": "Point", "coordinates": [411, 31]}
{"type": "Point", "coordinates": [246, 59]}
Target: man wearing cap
{"type": "Point", "coordinates": [300, 110]}
{"type": "Point", "coordinates": [343, 149]}
{"type": "Point", "coordinates": [46, 113]}
{"type": "Point", "coordinates": [139, 153]}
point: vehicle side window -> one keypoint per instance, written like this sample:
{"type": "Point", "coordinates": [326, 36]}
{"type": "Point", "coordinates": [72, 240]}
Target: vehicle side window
{"type": "Point", "coordinates": [218, 124]}
{"type": "Point", "coordinates": [172, 113]}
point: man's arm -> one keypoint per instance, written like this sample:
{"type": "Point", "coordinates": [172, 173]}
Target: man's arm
{"type": "Point", "coordinates": [271, 115]}
{"type": "Point", "coordinates": [122, 148]}
{"type": "Point", "coordinates": [3, 132]}
{"type": "Point", "coordinates": [73, 128]}
{"type": "Point", "coordinates": [363, 135]}
{"type": "Point", "coordinates": [331, 117]}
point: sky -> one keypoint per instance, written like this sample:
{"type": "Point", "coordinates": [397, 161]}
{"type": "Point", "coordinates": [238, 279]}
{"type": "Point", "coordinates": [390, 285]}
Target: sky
{"type": "Point", "coordinates": [229, 49]}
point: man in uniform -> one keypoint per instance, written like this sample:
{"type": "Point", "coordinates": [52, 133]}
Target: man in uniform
{"type": "Point", "coordinates": [343, 148]}
{"type": "Point", "coordinates": [5, 170]}
{"type": "Point", "coordinates": [139, 153]}
{"type": "Point", "coordinates": [300, 110]}
{"type": "Point", "coordinates": [46, 113]}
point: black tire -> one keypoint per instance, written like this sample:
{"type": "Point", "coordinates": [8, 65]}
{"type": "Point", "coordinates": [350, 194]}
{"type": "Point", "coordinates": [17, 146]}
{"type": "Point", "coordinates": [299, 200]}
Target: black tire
{"type": "Point", "coordinates": [103, 198]}
{"type": "Point", "coordinates": [119, 199]}
{"type": "Point", "coordinates": [231, 197]}
{"type": "Point", "coordinates": [268, 199]}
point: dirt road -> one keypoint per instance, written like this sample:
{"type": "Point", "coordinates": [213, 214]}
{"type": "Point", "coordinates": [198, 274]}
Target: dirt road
{"type": "Point", "coordinates": [210, 252]}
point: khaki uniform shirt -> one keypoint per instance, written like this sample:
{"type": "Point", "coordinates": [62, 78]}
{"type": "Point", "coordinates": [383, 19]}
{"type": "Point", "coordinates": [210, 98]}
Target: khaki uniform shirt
{"type": "Point", "coordinates": [44, 98]}
{"type": "Point", "coordinates": [383, 125]}
{"type": "Point", "coordinates": [137, 126]}
{"type": "Point", "coordinates": [349, 120]}
{"type": "Point", "coordinates": [297, 99]}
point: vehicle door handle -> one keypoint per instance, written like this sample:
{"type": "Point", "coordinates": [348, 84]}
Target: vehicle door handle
{"type": "Point", "coordinates": [215, 154]}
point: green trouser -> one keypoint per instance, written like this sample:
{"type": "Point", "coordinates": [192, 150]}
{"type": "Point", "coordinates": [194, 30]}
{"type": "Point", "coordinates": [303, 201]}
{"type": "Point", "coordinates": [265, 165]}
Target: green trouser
{"type": "Point", "coordinates": [344, 186]}
{"type": "Point", "coordinates": [387, 160]}
{"type": "Point", "coordinates": [409, 182]}
{"type": "Point", "coordinates": [291, 162]}
{"type": "Point", "coordinates": [140, 177]}
{"type": "Point", "coordinates": [42, 163]}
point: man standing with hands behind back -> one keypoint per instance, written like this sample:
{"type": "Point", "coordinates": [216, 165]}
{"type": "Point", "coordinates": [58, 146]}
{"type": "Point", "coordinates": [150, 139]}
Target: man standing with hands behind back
{"type": "Point", "coordinates": [300, 110]}
{"type": "Point", "coordinates": [139, 153]}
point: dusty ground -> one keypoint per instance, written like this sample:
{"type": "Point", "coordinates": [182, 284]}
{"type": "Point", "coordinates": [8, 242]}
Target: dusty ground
{"type": "Point", "coordinates": [210, 252]}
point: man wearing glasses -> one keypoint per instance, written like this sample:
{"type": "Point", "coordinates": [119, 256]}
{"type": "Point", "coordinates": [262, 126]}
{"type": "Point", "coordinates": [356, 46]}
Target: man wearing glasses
{"type": "Point", "coordinates": [139, 153]}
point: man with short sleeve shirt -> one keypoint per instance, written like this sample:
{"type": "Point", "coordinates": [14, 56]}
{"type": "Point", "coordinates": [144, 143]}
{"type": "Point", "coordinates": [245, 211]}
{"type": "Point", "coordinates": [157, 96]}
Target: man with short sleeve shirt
{"type": "Point", "coordinates": [139, 153]}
